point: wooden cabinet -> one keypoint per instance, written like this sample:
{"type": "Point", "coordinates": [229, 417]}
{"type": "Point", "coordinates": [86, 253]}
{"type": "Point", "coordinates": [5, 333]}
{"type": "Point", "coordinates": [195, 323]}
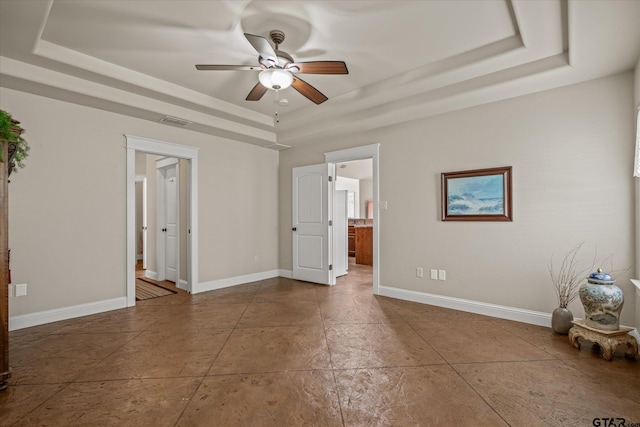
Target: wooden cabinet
{"type": "Point", "coordinates": [364, 245]}
{"type": "Point", "coordinates": [5, 373]}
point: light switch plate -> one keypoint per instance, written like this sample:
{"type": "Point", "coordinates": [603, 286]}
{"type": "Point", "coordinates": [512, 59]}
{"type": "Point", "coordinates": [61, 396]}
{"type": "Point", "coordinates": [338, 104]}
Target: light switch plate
{"type": "Point", "coordinates": [21, 289]}
{"type": "Point", "coordinates": [434, 274]}
{"type": "Point", "coordinates": [442, 275]}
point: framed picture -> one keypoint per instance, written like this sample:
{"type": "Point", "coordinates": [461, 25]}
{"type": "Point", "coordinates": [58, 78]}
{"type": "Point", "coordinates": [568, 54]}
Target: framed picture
{"type": "Point", "coordinates": [477, 195]}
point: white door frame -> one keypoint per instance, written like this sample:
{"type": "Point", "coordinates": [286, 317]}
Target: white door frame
{"type": "Point", "coordinates": [340, 233]}
{"type": "Point", "coordinates": [143, 180]}
{"type": "Point", "coordinates": [152, 146]}
{"type": "Point", "coordinates": [161, 166]}
{"type": "Point", "coordinates": [371, 151]}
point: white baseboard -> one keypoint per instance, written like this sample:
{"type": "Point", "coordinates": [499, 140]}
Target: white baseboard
{"type": "Point", "coordinates": [288, 274]}
{"type": "Point", "coordinates": [493, 310]}
{"type": "Point", "coordinates": [64, 313]}
{"type": "Point", "coordinates": [182, 284]}
{"type": "Point", "coordinates": [233, 281]}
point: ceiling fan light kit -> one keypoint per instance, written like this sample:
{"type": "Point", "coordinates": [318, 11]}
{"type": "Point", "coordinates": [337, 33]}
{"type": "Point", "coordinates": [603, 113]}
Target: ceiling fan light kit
{"type": "Point", "coordinates": [275, 78]}
{"type": "Point", "coordinates": [278, 69]}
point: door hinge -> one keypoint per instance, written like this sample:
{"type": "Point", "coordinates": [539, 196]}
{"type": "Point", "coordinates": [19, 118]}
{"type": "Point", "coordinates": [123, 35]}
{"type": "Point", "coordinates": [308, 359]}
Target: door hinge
{"type": "Point", "coordinates": [330, 223]}
{"type": "Point", "coordinates": [330, 178]}
{"type": "Point", "coordinates": [330, 267]}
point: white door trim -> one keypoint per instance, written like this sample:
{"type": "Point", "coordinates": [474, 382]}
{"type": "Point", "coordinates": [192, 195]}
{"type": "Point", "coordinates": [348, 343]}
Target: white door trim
{"type": "Point", "coordinates": [371, 151]}
{"type": "Point", "coordinates": [340, 233]}
{"type": "Point", "coordinates": [152, 146]}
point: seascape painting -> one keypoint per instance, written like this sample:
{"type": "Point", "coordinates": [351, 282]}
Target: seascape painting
{"type": "Point", "coordinates": [477, 195]}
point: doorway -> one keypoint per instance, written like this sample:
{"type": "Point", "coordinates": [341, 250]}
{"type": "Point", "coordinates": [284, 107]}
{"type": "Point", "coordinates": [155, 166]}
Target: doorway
{"type": "Point", "coordinates": [361, 153]}
{"type": "Point", "coordinates": [354, 183]}
{"type": "Point", "coordinates": [141, 220]}
{"type": "Point", "coordinates": [190, 154]}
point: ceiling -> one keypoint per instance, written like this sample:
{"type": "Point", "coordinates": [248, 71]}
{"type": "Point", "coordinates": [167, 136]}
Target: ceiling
{"type": "Point", "coordinates": [356, 169]}
{"type": "Point", "coordinates": [406, 59]}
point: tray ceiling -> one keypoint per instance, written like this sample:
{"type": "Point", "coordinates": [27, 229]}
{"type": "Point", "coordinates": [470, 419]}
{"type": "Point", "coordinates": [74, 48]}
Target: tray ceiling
{"type": "Point", "coordinates": [406, 59]}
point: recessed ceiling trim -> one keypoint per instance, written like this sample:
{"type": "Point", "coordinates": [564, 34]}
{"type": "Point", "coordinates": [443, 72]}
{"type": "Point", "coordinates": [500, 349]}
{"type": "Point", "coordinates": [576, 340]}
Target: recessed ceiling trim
{"type": "Point", "coordinates": [453, 97]}
{"type": "Point", "coordinates": [38, 75]}
{"type": "Point", "coordinates": [48, 50]}
{"type": "Point", "coordinates": [505, 59]}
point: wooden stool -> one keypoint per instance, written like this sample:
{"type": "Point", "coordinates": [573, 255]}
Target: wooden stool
{"type": "Point", "coordinates": [608, 340]}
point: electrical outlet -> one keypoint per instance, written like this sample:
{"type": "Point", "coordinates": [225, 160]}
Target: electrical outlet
{"type": "Point", "coordinates": [383, 205]}
{"type": "Point", "coordinates": [419, 272]}
{"type": "Point", "coordinates": [256, 258]}
{"type": "Point", "coordinates": [434, 274]}
{"type": "Point", "coordinates": [442, 275]}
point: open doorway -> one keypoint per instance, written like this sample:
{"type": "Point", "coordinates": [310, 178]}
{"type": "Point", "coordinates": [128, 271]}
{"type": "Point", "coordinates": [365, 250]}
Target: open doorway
{"type": "Point", "coordinates": [354, 188]}
{"type": "Point", "coordinates": [161, 205]}
{"type": "Point", "coordinates": [137, 146]}
{"type": "Point", "coordinates": [364, 206]}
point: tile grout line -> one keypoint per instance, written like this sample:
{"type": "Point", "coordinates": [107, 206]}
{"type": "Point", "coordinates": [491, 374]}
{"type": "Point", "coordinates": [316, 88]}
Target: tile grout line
{"type": "Point", "coordinates": [454, 370]}
{"type": "Point", "coordinates": [332, 367]}
{"type": "Point", "coordinates": [206, 374]}
{"type": "Point", "coordinates": [43, 402]}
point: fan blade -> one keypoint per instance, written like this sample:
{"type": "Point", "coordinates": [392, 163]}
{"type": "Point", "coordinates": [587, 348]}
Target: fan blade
{"type": "Point", "coordinates": [227, 67]}
{"type": "Point", "coordinates": [307, 90]}
{"type": "Point", "coordinates": [320, 67]}
{"type": "Point", "coordinates": [257, 92]}
{"type": "Point", "coordinates": [262, 46]}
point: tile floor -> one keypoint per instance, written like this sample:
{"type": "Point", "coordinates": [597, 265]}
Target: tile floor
{"type": "Point", "coordinates": [285, 353]}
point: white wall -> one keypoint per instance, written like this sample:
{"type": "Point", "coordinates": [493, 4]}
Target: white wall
{"type": "Point", "coordinates": [366, 193]}
{"type": "Point", "coordinates": [67, 214]}
{"type": "Point", "coordinates": [637, 84]}
{"type": "Point", "coordinates": [350, 184]}
{"type": "Point", "coordinates": [141, 168]}
{"type": "Point", "coordinates": [571, 150]}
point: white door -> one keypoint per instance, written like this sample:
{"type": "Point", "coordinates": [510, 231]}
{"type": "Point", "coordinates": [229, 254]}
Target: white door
{"type": "Point", "coordinates": [167, 216]}
{"type": "Point", "coordinates": [171, 224]}
{"type": "Point", "coordinates": [144, 223]}
{"type": "Point", "coordinates": [340, 233]}
{"type": "Point", "coordinates": [312, 196]}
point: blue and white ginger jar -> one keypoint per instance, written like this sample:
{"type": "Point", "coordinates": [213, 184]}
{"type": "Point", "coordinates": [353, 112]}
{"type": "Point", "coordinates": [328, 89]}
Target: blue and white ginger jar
{"type": "Point", "coordinates": [602, 301]}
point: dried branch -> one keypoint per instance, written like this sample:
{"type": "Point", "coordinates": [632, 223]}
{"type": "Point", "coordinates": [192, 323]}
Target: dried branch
{"type": "Point", "coordinates": [567, 280]}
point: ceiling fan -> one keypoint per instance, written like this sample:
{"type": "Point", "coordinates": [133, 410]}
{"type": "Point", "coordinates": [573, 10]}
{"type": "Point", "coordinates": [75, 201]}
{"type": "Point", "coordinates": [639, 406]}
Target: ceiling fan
{"type": "Point", "coordinates": [278, 69]}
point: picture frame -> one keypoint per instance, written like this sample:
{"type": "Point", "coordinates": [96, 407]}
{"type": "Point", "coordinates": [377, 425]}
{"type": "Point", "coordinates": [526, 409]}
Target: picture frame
{"type": "Point", "coordinates": [477, 195]}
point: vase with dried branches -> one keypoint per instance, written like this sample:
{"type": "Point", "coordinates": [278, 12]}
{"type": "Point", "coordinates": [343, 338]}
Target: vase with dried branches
{"type": "Point", "coordinates": [566, 282]}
